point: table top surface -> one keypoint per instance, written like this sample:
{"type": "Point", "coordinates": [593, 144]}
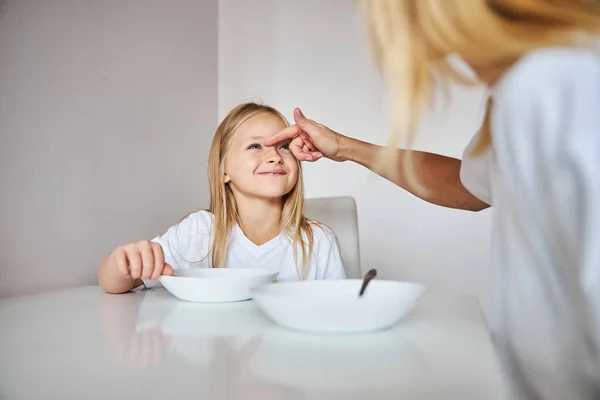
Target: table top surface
{"type": "Point", "coordinates": [85, 344]}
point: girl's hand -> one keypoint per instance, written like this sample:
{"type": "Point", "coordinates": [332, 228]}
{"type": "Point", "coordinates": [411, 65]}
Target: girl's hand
{"type": "Point", "coordinates": [141, 260]}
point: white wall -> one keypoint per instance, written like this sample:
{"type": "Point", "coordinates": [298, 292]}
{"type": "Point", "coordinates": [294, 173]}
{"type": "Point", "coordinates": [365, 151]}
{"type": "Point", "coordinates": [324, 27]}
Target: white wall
{"type": "Point", "coordinates": [107, 109]}
{"type": "Point", "coordinates": [314, 54]}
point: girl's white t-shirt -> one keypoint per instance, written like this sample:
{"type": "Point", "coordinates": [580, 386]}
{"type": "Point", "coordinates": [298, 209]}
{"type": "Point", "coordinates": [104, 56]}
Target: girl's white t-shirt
{"type": "Point", "coordinates": [186, 245]}
{"type": "Point", "coordinates": [543, 177]}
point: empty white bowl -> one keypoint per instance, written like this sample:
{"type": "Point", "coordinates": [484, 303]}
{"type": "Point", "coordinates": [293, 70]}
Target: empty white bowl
{"type": "Point", "coordinates": [333, 306]}
{"type": "Point", "coordinates": [215, 285]}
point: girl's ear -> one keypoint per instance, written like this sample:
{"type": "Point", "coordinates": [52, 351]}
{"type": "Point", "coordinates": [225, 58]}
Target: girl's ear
{"type": "Point", "coordinates": [226, 178]}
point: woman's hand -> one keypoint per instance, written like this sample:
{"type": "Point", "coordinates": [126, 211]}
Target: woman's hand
{"type": "Point", "coordinates": [310, 140]}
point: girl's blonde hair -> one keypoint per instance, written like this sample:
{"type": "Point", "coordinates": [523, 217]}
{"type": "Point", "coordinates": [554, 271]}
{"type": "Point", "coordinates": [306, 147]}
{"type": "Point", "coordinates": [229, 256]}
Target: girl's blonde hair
{"type": "Point", "coordinates": [222, 202]}
{"type": "Point", "coordinates": [412, 40]}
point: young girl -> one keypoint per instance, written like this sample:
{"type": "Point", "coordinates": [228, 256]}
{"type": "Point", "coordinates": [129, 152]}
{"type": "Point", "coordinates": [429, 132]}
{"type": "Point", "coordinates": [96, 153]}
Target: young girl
{"type": "Point", "coordinates": [255, 218]}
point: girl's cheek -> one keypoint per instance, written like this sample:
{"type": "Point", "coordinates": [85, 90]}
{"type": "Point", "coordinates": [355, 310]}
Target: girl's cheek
{"type": "Point", "coordinates": [249, 157]}
{"type": "Point", "coordinates": [288, 156]}
{"type": "Point", "coordinates": [294, 166]}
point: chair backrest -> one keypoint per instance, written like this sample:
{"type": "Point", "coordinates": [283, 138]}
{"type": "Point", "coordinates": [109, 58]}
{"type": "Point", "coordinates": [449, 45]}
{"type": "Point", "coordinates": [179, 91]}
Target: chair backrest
{"type": "Point", "coordinates": [339, 213]}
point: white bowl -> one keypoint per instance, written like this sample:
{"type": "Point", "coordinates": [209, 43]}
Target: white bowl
{"type": "Point", "coordinates": [334, 306]}
{"type": "Point", "coordinates": [215, 285]}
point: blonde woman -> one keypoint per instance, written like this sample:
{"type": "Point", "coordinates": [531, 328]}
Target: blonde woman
{"type": "Point", "coordinates": [536, 160]}
{"type": "Point", "coordinates": [255, 218]}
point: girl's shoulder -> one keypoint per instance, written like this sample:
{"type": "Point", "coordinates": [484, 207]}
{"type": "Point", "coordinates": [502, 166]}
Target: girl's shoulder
{"type": "Point", "coordinates": [322, 232]}
{"type": "Point", "coordinates": [198, 221]}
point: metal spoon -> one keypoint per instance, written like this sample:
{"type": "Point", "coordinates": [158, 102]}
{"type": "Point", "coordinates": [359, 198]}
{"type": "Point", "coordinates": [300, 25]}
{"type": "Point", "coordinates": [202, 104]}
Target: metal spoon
{"type": "Point", "coordinates": [368, 276]}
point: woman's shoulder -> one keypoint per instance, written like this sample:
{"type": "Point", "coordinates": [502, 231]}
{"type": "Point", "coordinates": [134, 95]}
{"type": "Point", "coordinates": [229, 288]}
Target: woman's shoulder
{"type": "Point", "coordinates": [549, 70]}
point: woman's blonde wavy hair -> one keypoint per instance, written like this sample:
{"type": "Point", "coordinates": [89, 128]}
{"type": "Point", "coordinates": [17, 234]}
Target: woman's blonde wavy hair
{"type": "Point", "coordinates": [223, 206]}
{"type": "Point", "coordinates": [413, 39]}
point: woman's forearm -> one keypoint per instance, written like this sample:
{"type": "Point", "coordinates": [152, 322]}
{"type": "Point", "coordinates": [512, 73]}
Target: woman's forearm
{"type": "Point", "coordinates": [439, 174]}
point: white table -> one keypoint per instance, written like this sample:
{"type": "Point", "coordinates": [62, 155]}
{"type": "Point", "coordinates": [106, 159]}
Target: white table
{"type": "Point", "coordinates": [85, 344]}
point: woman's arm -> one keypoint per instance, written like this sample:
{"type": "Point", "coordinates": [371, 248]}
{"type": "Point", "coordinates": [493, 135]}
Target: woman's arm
{"type": "Point", "coordinates": [439, 174]}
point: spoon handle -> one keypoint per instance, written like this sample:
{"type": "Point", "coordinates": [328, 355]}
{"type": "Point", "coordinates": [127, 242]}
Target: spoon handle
{"type": "Point", "coordinates": [368, 276]}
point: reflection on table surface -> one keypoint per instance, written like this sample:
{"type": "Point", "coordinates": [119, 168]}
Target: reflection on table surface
{"type": "Point", "coordinates": [86, 344]}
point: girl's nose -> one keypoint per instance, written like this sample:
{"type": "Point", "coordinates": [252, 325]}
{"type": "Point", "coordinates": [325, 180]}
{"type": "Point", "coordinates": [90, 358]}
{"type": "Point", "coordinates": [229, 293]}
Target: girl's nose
{"type": "Point", "coordinates": [273, 157]}
{"type": "Point", "coordinates": [274, 160]}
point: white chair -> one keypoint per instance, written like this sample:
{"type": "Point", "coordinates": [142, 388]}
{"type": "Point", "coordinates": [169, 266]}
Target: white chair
{"type": "Point", "coordinates": [339, 213]}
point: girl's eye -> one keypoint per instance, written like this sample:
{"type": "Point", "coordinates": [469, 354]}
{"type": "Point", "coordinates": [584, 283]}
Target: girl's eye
{"type": "Point", "coordinates": [254, 146]}
{"type": "Point", "coordinates": [285, 146]}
